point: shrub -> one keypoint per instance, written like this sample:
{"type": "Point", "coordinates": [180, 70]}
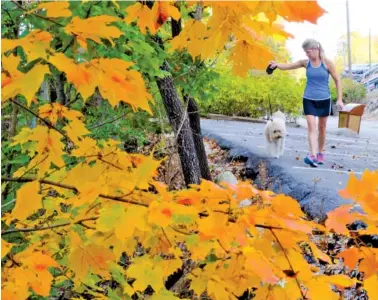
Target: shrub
{"type": "Point", "coordinates": [352, 91]}
{"type": "Point", "coordinates": [253, 95]}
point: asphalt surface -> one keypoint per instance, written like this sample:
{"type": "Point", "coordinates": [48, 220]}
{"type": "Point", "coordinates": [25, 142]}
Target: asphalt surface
{"type": "Point", "coordinates": [316, 189]}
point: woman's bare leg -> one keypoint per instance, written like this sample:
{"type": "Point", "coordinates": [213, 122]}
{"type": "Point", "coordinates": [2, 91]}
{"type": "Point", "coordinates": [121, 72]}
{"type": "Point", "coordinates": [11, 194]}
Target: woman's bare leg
{"type": "Point", "coordinates": [322, 125]}
{"type": "Point", "coordinates": [311, 127]}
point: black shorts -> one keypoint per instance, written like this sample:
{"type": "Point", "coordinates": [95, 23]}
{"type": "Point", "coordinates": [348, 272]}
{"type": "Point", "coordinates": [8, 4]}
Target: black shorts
{"type": "Point", "coordinates": [317, 108]}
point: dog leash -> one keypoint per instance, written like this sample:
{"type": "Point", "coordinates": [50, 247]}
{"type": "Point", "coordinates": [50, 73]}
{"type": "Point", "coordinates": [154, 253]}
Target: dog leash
{"type": "Point", "coordinates": [269, 71]}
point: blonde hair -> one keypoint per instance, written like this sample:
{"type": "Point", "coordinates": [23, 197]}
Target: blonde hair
{"type": "Point", "coordinates": [314, 44]}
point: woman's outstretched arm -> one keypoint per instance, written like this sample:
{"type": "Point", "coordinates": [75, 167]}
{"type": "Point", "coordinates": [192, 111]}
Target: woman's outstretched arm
{"type": "Point", "coordinates": [292, 66]}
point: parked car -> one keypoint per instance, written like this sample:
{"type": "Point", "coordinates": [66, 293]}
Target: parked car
{"type": "Point", "coordinates": [365, 77]}
{"type": "Point", "coordinates": [372, 82]}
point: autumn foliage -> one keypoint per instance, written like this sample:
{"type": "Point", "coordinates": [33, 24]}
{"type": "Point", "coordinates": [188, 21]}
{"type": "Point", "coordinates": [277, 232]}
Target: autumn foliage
{"type": "Point", "coordinates": [88, 213]}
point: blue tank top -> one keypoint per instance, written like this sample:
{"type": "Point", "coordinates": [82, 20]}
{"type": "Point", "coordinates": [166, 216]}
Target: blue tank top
{"type": "Point", "coordinates": [317, 87]}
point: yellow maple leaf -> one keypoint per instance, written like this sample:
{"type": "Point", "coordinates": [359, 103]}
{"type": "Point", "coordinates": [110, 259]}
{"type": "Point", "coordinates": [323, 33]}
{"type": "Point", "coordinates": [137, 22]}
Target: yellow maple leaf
{"type": "Point", "coordinates": [94, 28]}
{"type": "Point", "coordinates": [55, 9]}
{"type": "Point", "coordinates": [34, 44]}
{"type": "Point", "coordinates": [82, 76]}
{"type": "Point", "coordinates": [370, 285]}
{"type": "Point", "coordinates": [200, 278]}
{"type": "Point", "coordinates": [75, 130]}
{"type": "Point", "coordinates": [145, 273]}
{"type": "Point", "coordinates": [144, 16]}
{"type": "Point", "coordinates": [318, 253]}
{"type": "Point", "coordinates": [5, 247]}
{"type": "Point", "coordinates": [168, 266]}
{"type": "Point", "coordinates": [286, 206]}
{"type": "Point", "coordinates": [28, 200]}
{"type": "Point", "coordinates": [124, 221]}
{"type": "Point", "coordinates": [15, 284]}
{"type": "Point", "coordinates": [86, 147]}
{"type": "Point", "coordinates": [257, 263]}
{"type": "Point", "coordinates": [144, 172]}
{"type": "Point", "coordinates": [18, 83]}
{"type": "Point", "coordinates": [248, 55]}
{"type": "Point", "coordinates": [218, 290]}
{"type": "Point", "coordinates": [55, 111]}
{"type": "Point", "coordinates": [160, 213]}
{"type": "Point", "coordinates": [191, 38]}
{"type": "Point", "coordinates": [91, 257]}
{"type": "Point", "coordinates": [49, 148]}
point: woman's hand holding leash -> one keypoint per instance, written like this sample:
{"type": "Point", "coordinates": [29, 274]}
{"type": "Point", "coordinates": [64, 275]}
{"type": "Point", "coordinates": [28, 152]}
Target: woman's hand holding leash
{"type": "Point", "coordinates": [271, 67]}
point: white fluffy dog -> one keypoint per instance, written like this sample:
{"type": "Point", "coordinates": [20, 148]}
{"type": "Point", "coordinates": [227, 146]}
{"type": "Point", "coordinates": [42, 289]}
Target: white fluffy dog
{"type": "Point", "coordinates": [275, 134]}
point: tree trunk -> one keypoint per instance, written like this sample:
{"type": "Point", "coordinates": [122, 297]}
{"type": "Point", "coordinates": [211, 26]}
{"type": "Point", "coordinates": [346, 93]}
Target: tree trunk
{"type": "Point", "coordinates": [59, 86]}
{"type": "Point", "coordinates": [195, 125]}
{"type": "Point", "coordinates": [179, 121]}
{"type": "Point", "coordinates": [193, 110]}
{"type": "Point", "coordinates": [13, 124]}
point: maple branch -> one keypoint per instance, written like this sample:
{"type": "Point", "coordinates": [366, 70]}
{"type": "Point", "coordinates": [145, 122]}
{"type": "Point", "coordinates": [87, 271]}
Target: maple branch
{"type": "Point", "coordinates": [108, 121]}
{"type": "Point", "coordinates": [37, 15]}
{"type": "Point", "coordinates": [169, 242]}
{"type": "Point", "coordinates": [287, 258]}
{"type": "Point", "coordinates": [80, 222]}
{"type": "Point", "coordinates": [74, 100]}
{"type": "Point", "coordinates": [110, 163]}
{"type": "Point", "coordinates": [48, 123]}
{"type": "Point", "coordinates": [220, 244]}
{"type": "Point", "coordinates": [72, 188]}
{"type": "Point", "coordinates": [181, 231]}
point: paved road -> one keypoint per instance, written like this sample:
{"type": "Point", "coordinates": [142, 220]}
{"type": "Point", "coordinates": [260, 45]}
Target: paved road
{"type": "Point", "coordinates": [312, 186]}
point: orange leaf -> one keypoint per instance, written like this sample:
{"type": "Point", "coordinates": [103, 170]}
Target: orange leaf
{"type": "Point", "coordinates": [339, 218]}
{"type": "Point", "coordinates": [18, 83]}
{"type": "Point", "coordinates": [153, 18]}
{"type": "Point", "coordinates": [162, 10]}
{"type": "Point", "coordinates": [111, 75]}
{"type": "Point", "coordinates": [260, 265]}
{"type": "Point", "coordinates": [286, 206]}
{"type": "Point", "coordinates": [300, 11]}
{"type": "Point", "coordinates": [350, 257]}
{"type": "Point", "coordinates": [143, 14]}
{"type": "Point", "coordinates": [369, 263]}
{"type": "Point", "coordinates": [94, 28]}
{"type": "Point", "coordinates": [55, 9]}
{"type": "Point", "coordinates": [28, 200]}
{"type": "Point", "coordinates": [34, 44]}
{"type": "Point", "coordinates": [90, 257]}
{"type": "Point", "coordinates": [55, 111]}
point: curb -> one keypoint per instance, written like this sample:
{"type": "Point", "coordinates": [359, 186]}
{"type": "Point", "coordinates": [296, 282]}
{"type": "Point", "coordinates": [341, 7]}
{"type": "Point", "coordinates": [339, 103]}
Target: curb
{"type": "Point", "coordinates": [315, 203]}
{"type": "Point", "coordinates": [233, 118]}
{"type": "Point", "coordinates": [219, 117]}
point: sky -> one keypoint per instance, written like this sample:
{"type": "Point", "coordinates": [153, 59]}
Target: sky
{"type": "Point", "coordinates": [332, 25]}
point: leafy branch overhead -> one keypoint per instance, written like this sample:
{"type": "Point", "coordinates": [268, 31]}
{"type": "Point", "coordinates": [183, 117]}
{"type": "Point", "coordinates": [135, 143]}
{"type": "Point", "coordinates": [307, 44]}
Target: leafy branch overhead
{"type": "Point", "coordinates": [87, 213]}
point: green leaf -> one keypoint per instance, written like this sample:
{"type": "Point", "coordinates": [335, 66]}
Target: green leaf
{"type": "Point", "coordinates": [192, 239]}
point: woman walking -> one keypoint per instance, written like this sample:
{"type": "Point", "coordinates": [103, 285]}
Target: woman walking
{"type": "Point", "coordinates": [317, 96]}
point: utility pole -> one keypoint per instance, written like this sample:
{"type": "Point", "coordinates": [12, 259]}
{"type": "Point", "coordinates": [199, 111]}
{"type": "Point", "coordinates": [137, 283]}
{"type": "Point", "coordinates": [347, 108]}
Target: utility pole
{"type": "Point", "coordinates": [369, 48]}
{"type": "Point", "coordinates": [348, 32]}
